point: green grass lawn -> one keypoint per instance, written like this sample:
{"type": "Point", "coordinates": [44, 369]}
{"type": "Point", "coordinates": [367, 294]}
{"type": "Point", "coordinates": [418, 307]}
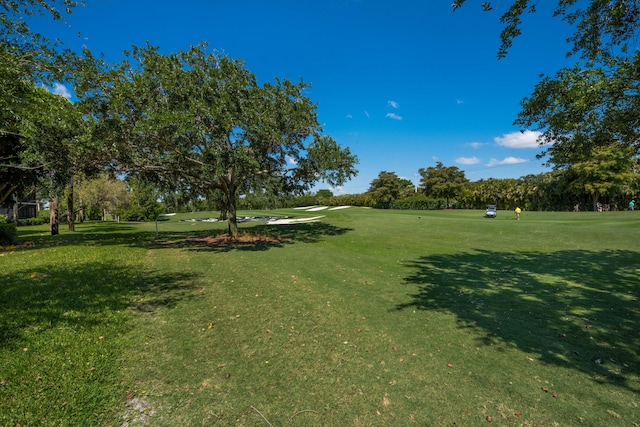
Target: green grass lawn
{"type": "Point", "coordinates": [365, 318]}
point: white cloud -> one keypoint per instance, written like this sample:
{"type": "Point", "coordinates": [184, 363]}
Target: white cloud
{"type": "Point", "coordinates": [459, 101]}
{"type": "Point", "coordinates": [291, 161]}
{"type": "Point", "coordinates": [476, 145]}
{"type": "Point", "coordinates": [349, 116]}
{"type": "Point", "coordinates": [506, 161]}
{"type": "Point", "coordinates": [366, 113]}
{"type": "Point", "coordinates": [393, 104]}
{"type": "Point", "coordinates": [60, 89]}
{"type": "Point", "coordinates": [468, 160]}
{"type": "Point", "coordinates": [393, 116]}
{"type": "Point", "coordinates": [337, 190]}
{"type": "Point", "coordinates": [526, 139]}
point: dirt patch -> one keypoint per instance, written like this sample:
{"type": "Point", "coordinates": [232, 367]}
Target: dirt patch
{"type": "Point", "coordinates": [241, 239]}
{"type": "Point", "coordinates": [138, 413]}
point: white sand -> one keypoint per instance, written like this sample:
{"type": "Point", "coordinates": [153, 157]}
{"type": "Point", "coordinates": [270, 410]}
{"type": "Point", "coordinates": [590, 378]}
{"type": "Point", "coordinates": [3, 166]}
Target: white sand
{"type": "Point", "coordinates": [294, 221]}
{"type": "Point", "coordinates": [339, 207]}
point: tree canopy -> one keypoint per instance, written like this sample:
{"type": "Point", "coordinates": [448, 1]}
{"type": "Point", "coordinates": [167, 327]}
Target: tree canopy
{"type": "Point", "coordinates": [602, 27]}
{"type": "Point", "coordinates": [198, 121]}
{"type": "Point", "coordinates": [592, 106]}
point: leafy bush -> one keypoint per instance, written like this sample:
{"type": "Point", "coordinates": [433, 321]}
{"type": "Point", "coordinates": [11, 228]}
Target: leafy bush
{"type": "Point", "coordinates": [3, 219]}
{"type": "Point", "coordinates": [142, 213]}
{"type": "Point", "coordinates": [34, 221]}
{"type": "Point", "coordinates": [8, 234]}
{"type": "Point", "coordinates": [134, 213]}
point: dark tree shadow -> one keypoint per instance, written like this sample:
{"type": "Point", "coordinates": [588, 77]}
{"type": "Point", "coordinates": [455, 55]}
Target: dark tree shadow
{"type": "Point", "coordinates": [79, 295]}
{"type": "Point", "coordinates": [121, 234]}
{"type": "Point", "coordinates": [576, 309]}
{"type": "Point", "coordinates": [259, 237]}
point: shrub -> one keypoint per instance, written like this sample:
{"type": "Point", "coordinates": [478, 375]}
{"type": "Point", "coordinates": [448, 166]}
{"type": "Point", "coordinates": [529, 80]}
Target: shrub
{"type": "Point", "coordinates": [34, 221]}
{"type": "Point", "coordinates": [419, 202]}
{"type": "Point", "coordinates": [8, 234]}
{"type": "Point", "coordinates": [134, 213]}
{"type": "Point", "coordinates": [142, 213]}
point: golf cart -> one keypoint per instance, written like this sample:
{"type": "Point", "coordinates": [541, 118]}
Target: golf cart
{"type": "Point", "coordinates": [492, 211]}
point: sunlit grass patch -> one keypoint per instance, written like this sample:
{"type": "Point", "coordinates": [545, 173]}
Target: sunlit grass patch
{"type": "Point", "coordinates": [366, 318]}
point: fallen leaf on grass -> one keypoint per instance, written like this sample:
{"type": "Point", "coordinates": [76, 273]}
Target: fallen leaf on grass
{"type": "Point", "coordinates": [489, 418]}
{"type": "Point", "coordinates": [555, 395]}
{"type": "Point", "coordinates": [518, 414]}
{"type": "Point", "coordinates": [449, 365]}
{"type": "Point", "coordinates": [130, 395]}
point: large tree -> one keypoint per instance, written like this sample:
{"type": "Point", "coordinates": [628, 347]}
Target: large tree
{"type": "Point", "coordinates": [388, 187]}
{"type": "Point", "coordinates": [27, 61]}
{"type": "Point", "coordinates": [200, 122]}
{"type": "Point", "coordinates": [594, 105]}
{"type": "Point", "coordinates": [604, 171]}
{"type": "Point", "coordinates": [103, 195]}
{"type": "Point", "coordinates": [442, 181]}
{"type": "Point", "coordinates": [54, 143]}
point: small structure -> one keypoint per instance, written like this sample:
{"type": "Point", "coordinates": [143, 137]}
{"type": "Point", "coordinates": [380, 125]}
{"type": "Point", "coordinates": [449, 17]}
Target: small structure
{"type": "Point", "coordinates": [21, 208]}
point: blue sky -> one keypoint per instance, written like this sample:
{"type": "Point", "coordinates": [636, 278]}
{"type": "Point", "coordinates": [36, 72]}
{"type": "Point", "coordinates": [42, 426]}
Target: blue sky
{"type": "Point", "coordinates": [403, 83]}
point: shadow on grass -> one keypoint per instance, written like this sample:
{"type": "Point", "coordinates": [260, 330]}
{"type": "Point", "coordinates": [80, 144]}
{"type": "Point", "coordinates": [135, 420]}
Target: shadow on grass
{"type": "Point", "coordinates": [122, 234]}
{"type": "Point", "coordinates": [78, 296]}
{"type": "Point", "coordinates": [260, 237]}
{"type": "Point", "coordinates": [576, 309]}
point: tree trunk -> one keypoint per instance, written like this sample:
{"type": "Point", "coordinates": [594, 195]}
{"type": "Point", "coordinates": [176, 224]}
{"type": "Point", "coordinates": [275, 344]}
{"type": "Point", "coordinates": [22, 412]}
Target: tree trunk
{"type": "Point", "coordinates": [595, 202]}
{"type": "Point", "coordinates": [232, 218]}
{"type": "Point", "coordinates": [54, 225]}
{"type": "Point", "coordinates": [70, 209]}
{"type": "Point", "coordinates": [16, 208]}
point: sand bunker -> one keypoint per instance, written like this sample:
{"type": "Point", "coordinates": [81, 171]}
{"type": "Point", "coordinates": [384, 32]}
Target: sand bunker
{"type": "Point", "coordinates": [314, 208]}
{"type": "Point", "coordinates": [293, 221]}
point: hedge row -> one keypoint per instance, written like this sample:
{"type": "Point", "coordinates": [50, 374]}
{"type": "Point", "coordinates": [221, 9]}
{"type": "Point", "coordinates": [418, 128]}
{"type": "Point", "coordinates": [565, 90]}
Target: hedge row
{"type": "Point", "coordinates": [34, 221]}
{"type": "Point", "coordinates": [419, 203]}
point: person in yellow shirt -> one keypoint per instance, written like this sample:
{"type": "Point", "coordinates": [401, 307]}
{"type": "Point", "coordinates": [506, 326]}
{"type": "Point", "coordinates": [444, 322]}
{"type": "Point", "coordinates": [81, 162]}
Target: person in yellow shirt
{"type": "Point", "coordinates": [518, 210]}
